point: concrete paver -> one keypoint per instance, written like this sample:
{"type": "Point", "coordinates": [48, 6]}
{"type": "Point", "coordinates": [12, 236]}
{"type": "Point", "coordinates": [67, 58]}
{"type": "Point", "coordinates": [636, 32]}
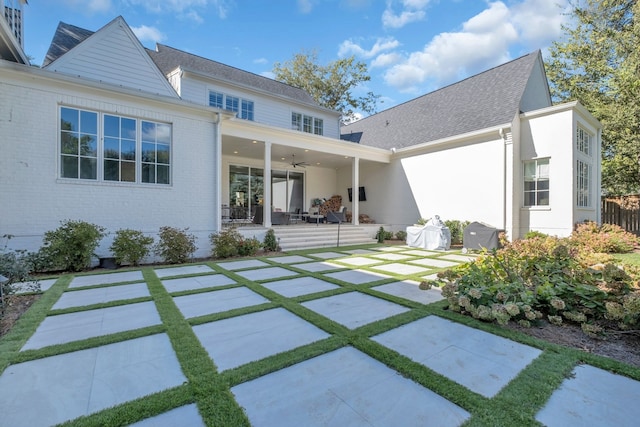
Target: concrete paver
{"type": "Point", "coordinates": [33, 286]}
{"type": "Point", "coordinates": [482, 362]}
{"type": "Point", "coordinates": [183, 416]}
{"type": "Point", "coordinates": [354, 309]}
{"type": "Point", "coordinates": [422, 252]}
{"type": "Point", "coordinates": [409, 289]}
{"type": "Point", "coordinates": [238, 340]}
{"type": "Point", "coordinates": [242, 264]}
{"type": "Point", "coordinates": [460, 258]}
{"type": "Point", "coordinates": [359, 261]}
{"type": "Point", "coordinates": [197, 282]}
{"type": "Point", "coordinates": [106, 279]}
{"type": "Point", "coordinates": [81, 325]}
{"type": "Point", "coordinates": [266, 273]}
{"type": "Point", "coordinates": [360, 252]}
{"type": "Point", "coordinates": [343, 388]}
{"type": "Point", "coordinates": [391, 248]}
{"type": "Point", "coordinates": [327, 255]}
{"type": "Point", "coordinates": [290, 259]}
{"type": "Point", "coordinates": [54, 389]}
{"type": "Point", "coordinates": [398, 268]}
{"type": "Point", "coordinates": [101, 295]}
{"type": "Point", "coordinates": [593, 397]}
{"type": "Point", "coordinates": [299, 286]}
{"type": "Point", "coordinates": [434, 263]}
{"type": "Point", "coordinates": [393, 257]}
{"type": "Point", "coordinates": [195, 305]}
{"type": "Point", "coordinates": [315, 267]}
{"type": "Point", "coordinates": [357, 277]}
{"type": "Point", "coordinates": [183, 271]}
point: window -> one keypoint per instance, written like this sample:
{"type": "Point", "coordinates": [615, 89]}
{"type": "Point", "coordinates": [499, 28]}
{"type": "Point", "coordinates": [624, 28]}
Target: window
{"type": "Point", "coordinates": [296, 121]}
{"type": "Point", "coordinates": [317, 126]}
{"type": "Point", "coordinates": [119, 149]}
{"type": "Point", "coordinates": [583, 141]}
{"type": "Point", "coordinates": [247, 110]}
{"type": "Point", "coordinates": [216, 99]}
{"type": "Point", "coordinates": [583, 184]}
{"type": "Point", "coordinates": [106, 147]}
{"type": "Point", "coordinates": [78, 144]}
{"type": "Point", "coordinates": [308, 124]}
{"type": "Point", "coordinates": [536, 182]}
{"type": "Point", "coordinates": [244, 107]}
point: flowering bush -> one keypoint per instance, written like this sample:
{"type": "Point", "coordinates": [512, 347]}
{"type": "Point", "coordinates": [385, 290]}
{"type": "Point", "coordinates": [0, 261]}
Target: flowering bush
{"type": "Point", "coordinates": [606, 238]}
{"type": "Point", "coordinates": [544, 277]}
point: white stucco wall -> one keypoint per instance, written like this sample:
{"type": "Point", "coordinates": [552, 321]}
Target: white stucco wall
{"type": "Point", "coordinates": [33, 199]}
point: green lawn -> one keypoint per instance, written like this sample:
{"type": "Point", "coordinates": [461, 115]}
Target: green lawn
{"type": "Point", "coordinates": [516, 404]}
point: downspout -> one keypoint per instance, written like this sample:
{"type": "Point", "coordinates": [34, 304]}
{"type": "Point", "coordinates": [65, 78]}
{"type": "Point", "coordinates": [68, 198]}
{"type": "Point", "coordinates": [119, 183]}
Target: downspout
{"type": "Point", "coordinates": [217, 166]}
{"type": "Point", "coordinates": [504, 179]}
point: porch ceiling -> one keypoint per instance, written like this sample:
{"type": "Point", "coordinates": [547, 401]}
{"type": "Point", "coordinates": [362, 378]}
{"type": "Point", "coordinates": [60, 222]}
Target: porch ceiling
{"type": "Point", "coordinates": [235, 146]}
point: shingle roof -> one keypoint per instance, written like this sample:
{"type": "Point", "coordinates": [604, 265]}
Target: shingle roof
{"type": "Point", "coordinates": [65, 38]}
{"type": "Point", "coordinates": [487, 99]}
{"type": "Point", "coordinates": [168, 59]}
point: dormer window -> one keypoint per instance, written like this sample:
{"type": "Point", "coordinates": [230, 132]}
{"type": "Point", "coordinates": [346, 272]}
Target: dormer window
{"type": "Point", "coordinates": [242, 107]}
{"type": "Point", "coordinates": [307, 124]}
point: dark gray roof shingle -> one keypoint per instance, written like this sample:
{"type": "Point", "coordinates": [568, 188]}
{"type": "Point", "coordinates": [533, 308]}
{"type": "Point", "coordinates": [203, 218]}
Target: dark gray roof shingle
{"type": "Point", "coordinates": [488, 99]}
{"type": "Point", "coordinates": [65, 38]}
{"type": "Point", "coordinates": [168, 59]}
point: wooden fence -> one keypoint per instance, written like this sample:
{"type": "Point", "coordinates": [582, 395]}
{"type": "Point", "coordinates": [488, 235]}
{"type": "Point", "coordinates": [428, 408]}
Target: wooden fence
{"type": "Point", "coordinates": [622, 213]}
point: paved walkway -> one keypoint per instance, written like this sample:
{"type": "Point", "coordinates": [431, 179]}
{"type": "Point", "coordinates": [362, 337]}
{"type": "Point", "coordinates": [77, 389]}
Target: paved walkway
{"type": "Point", "coordinates": [345, 386]}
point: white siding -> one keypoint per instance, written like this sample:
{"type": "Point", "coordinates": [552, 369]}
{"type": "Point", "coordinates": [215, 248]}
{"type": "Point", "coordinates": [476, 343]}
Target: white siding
{"type": "Point", "coordinates": [113, 55]}
{"type": "Point", "coordinates": [34, 200]}
{"type": "Point", "coordinates": [268, 110]}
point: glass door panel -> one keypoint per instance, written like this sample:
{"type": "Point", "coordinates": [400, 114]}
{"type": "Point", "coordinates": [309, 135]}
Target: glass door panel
{"type": "Point", "coordinates": [279, 194]}
{"type": "Point", "coordinates": [296, 192]}
{"type": "Point", "coordinates": [238, 191]}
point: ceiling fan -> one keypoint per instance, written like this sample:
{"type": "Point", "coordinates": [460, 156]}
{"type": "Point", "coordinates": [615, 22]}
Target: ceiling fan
{"type": "Point", "coordinates": [297, 164]}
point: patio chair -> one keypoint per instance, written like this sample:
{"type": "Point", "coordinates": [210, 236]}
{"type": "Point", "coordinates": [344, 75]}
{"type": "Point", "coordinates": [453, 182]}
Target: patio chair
{"type": "Point", "coordinates": [337, 216]}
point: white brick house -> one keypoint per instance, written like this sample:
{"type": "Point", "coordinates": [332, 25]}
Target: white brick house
{"type": "Point", "coordinates": [121, 136]}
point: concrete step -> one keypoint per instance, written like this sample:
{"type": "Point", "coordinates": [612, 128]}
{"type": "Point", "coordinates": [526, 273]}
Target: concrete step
{"type": "Point", "coordinates": [324, 235]}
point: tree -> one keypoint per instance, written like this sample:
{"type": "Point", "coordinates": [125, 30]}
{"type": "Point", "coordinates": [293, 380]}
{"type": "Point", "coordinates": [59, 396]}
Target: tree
{"type": "Point", "coordinates": [330, 85]}
{"type": "Point", "coordinates": [598, 63]}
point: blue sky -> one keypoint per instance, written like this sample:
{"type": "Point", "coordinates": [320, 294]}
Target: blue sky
{"type": "Point", "coordinates": [411, 47]}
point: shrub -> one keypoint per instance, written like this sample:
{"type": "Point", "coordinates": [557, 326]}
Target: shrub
{"type": "Point", "coordinates": [456, 228]}
{"type": "Point", "coordinates": [14, 266]}
{"type": "Point", "coordinates": [401, 235]}
{"type": "Point", "coordinates": [270, 243]}
{"type": "Point", "coordinates": [380, 235]}
{"type": "Point", "coordinates": [175, 246]}
{"type": "Point", "coordinates": [71, 246]}
{"type": "Point", "coordinates": [225, 244]}
{"type": "Point", "coordinates": [422, 221]}
{"type": "Point", "coordinates": [533, 234]}
{"type": "Point", "coordinates": [130, 246]}
{"type": "Point", "coordinates": [606, 238]}
{"type": "Point", "coordinates": [248, 247]}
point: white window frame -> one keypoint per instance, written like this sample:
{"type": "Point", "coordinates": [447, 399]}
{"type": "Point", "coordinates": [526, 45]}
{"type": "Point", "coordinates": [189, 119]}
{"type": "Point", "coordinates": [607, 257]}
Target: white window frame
{"type": "Point", "coordinates": [538, 178]}
{"type": "Point", "coordinates": [583, 183]}
{"type": "Point", "coordinates": [583, 141]}
{"type": "Point", "coordinates": [244, 108]}
{"type": "Point", "coordinates": [306, 123]}
{"type": "Point", "coordinates": [165, 145]}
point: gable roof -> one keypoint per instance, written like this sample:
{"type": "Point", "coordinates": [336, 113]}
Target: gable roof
{"type": "Point", "coordinates": [169, 59]}
{"type": "Point", "coordinates": [113, 54]}
{"type": "Point", "coordinates": [488, 99]}
{"type": "Point", "coordinates": [65, 38]}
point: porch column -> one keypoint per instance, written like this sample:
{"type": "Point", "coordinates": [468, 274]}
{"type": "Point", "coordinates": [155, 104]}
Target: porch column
{"type": "Point", "coordinates": [217, 167]}
{"type": "Point", "coordinates": [266, 199]}
{"type": "Point", "coordinates": [355, 186]}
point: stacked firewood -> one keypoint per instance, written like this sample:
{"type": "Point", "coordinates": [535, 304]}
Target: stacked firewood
{"type": "Point", "coordinates": [331, 205]}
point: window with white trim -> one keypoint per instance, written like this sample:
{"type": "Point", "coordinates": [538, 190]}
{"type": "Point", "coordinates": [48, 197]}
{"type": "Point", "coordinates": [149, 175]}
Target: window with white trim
{"type": "Point", "coordinates": [107, 147]}
{"type": "Point", "coordinates": [583, 181]}
{"type": "Point", "coordinates": [308, 124]}
{"type": "Point", "coordinates": [536, 182]}
{"type": "Point", "coordinates": [243, 107]}
{"type": "Point", "coordinates": [583, 141]}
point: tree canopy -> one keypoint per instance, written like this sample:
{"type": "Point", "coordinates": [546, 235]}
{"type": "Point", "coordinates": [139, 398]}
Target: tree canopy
{"type": "Point", "coordinates": [330, 85]}
{"type": "Point", "coordinates": [598, 63]}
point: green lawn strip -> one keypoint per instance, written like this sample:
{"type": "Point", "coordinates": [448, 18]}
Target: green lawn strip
{"type": "Point", "coordinates": [253, 370]}
{"type": "Point", "coordinates": [422, 375]}
{"type": "Point", "coordinates": [519, 402]}
{"type": "Point", "coordinates": [84, 344]}
{"type": "Point", "coordinates": [115, 303]}
{"type": "Point", "coordinates": [136, 410]}
{"type": "Point", "coordinates": [215, 402]}
{"type": "Point", "coordinates": [11, 343]}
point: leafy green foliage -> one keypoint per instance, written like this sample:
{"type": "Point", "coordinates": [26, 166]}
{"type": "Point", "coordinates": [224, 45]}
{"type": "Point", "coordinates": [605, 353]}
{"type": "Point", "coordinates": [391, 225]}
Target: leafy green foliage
{"type": "Point", "coordinates": [456, 228]}
{"type": "Point", "coordinates": [175, 246]}
{"type": "Point", "coordinates": [71, 246]}
{"type": "Point", "coordinates": [401, 235]}
{"type": "Point", "coordinates": [229, 242]}
{"type": "Point", "coordinates": [597, 63]}
{"type": "Point", "coordinates": [14, 266]}
{"type": "Point", "coordinates": [545, 277]}
{"type": "Point", "coordinates": [130, 246]}
{"type": "Point", "coordinates": [533, 234]}
{"type": "Point", "coordinates": [329, 85]}
{"type": "Point", "coordinates": [381, 234]}
{"type": "Point", "coordinates": [605, 238]}
{"type": "Point", "coordinates": [270, 242]}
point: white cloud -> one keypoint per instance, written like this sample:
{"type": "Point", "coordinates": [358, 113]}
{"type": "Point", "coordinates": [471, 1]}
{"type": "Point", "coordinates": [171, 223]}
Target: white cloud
{"type": "Point", "coordinates": [483, 41]}
{"type": "Point", "coordinates": [92, 6]}
{"type": "Point", "coordinates": [185, 8]}
{"type": "Point", "coordinates": [260, 61]}
{"type": "Point", "coordinates": [144, 33]}
{"type": "Point", "coordinates": [411, 11]}
{"type": "Point", "coordinates": [348, 47]}
{"type": "Point", "coordinates": [386, 59]}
